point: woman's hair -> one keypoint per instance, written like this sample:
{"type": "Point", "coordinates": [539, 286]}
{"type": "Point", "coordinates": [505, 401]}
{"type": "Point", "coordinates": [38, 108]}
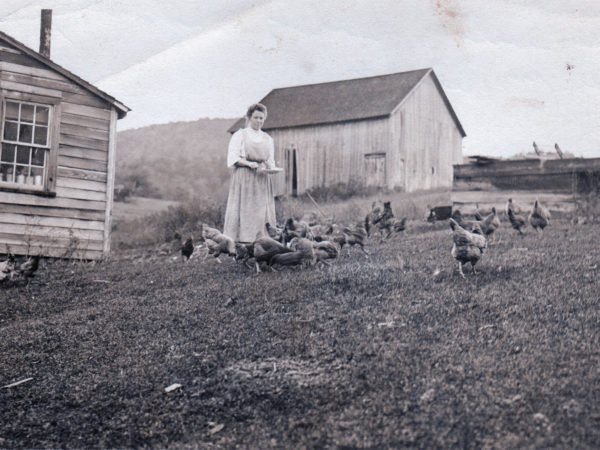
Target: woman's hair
{"type": "Point", "coordinates": [256, 107]}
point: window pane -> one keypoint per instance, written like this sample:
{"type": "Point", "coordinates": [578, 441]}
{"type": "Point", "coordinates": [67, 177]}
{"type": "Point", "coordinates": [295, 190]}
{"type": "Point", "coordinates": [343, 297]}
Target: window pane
{"type": "Point", "coordinates": [41, 115]}
{"type": "Point", "coordinates": [6, 172]}
{"type": "Point", "coordinates": [8, 153]}
{"type": "Point", "coordinates": [23, 154]}
{"type": "Point", "coordinates": [12, 110]}
{"type": "Point", "coordinates": [25, 133]}
{"type": "Point", "coordinates": [37, 157]}
{"type": "Point", "coordinates": [22, 172]}
{"type": "Point", "coordinates": [41, 135]}
{"type": "Point", "coordinates": [10, 131]}
{"type": "Point", "coordinates": [26, 113]}
{"type": "Point", "coordinates": [37, 175]}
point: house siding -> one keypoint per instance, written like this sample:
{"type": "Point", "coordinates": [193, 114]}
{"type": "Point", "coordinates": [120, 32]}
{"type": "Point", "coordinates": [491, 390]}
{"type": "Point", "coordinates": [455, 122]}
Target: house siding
{"type": "Point", "coordinates": [71, 224]}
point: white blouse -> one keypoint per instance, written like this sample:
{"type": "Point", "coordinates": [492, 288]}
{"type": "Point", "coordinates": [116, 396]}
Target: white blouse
{"type": "Point", "coordinates": [236, 145]}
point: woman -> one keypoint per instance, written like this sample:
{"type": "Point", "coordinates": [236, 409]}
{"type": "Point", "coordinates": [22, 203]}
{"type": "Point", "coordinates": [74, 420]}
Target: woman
{"type": "Point", "coordinates": [250, 204]}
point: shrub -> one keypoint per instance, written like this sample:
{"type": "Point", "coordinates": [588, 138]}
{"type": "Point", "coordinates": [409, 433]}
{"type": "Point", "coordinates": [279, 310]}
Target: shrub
{"type": "Point", "coordinates": [176, 222]}
{"type": "Point", "coordinates": [341, 191]}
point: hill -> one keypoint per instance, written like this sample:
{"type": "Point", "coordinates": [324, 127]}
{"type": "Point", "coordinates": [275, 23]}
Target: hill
{"type": "Point", "coordinates": [175, 161]}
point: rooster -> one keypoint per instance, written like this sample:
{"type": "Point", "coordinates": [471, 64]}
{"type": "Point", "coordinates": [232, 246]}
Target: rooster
{"type": "Point", "coordinates": [468, 246]}
{"type": "Point", "coordinates": [539, 218]}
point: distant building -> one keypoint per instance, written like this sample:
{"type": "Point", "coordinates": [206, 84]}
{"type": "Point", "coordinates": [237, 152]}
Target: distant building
{"type": "Point", "coordinates": [568, 175]}
{"type": "Point", "coordinates": [390, 131]}
{"type": "Point", "coordinates": [57, 160]}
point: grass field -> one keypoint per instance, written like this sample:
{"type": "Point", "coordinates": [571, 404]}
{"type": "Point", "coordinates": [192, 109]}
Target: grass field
{"type": "Point", "coordinates": [395, 350]}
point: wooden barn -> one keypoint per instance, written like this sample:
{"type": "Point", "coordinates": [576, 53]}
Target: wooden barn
{"type": "Point", "coordinates": [57, 160]}
{"type": "Point", "coordinates": [390, 131]}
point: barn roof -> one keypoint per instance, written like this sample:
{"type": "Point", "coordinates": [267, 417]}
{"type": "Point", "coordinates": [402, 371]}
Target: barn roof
{"type": "Point", "coordinates": [120, 107]}
{"type": "Point", "coordinates": [342, 101]}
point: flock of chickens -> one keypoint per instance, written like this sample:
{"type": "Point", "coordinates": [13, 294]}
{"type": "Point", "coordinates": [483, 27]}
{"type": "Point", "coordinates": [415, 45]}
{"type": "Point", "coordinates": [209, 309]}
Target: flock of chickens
{"type": "Point", "coordinates": [304, 243]}
{"type": "Point", "coordinates": [300, 242]}
{"type": "Point", "coordinates": [471, 236]}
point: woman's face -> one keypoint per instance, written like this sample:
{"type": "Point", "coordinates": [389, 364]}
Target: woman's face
{"type": "Point", "coordinates": [257, 119]}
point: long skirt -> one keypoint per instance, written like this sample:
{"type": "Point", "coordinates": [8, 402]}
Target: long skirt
{"type": "Point", "coordinates": [250, 205]}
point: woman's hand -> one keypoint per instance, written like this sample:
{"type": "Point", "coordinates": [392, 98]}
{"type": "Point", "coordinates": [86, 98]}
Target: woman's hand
{"type": "Point", "coordinates": [253, 164]}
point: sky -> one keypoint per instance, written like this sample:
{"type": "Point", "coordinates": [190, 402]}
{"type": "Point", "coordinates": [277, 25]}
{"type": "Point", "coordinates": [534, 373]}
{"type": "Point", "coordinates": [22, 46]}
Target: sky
{"type": "Point", "coordinates": [515, 71]}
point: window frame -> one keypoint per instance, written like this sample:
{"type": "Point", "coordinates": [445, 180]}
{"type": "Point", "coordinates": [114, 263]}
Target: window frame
{"type": "Point", "coordinates": [50, 170]}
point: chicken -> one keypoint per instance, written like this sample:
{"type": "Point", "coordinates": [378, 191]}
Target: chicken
{"type": "Point", "coordinates": [210, 233]}
{"type": "Point", "coordinates": [388, 223]}
{"type": "Point", "coordinates": [325, 250]}
{"type": "Point", "coordinates": [320, 232]}
{"type": "Point", "coordinates": [287, 259]}
{"type": "Point", "coordinates": [468, 247]}
{"type": "Point", "coordinates": [274, 231]}
{"type": "Point", "coordinates": [517, 221]}
{"type": "Point", "coordinates": [222, 244]}
{"type": "Point", "coordinates": [464, 223]}
{"type": "Point", "coordinates": [354, 236]}
{"type": "Point", "coordinates": [28, 268]}
{"type": "Point", "coordinates": [217, 243]}
{"type": "Point", "coordinates": [374, 215]}
{"type": "Point", "coordinates": [187, 249]}
{"type": "Point", "coordinates": [489, 223]}
{"type": "Point", "coordinates": [7, 268]}
{"type": "Point", "coordinates": [264, 248]}
{"type": "Point", "coordinates": [305, 246]}
{"type": "Point", "coordinates": [539, 218]}
{"type": "Point", "coordinates": [516, 209]}
{"type": "Point", "coordinates": [243, 252]}
{"type": "Point", "coordinates": [294, 228]}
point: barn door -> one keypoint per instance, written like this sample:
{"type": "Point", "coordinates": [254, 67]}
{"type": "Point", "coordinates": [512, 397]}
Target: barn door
{"type": "Point", "coordinates": [291, 171]}
{"type": "Point", "coordinates": [375, 169]}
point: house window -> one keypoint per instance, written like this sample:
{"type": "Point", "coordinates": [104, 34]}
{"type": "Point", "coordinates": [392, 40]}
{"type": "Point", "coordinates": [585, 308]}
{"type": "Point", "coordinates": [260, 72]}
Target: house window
{"type": "Point", "coordinates": [26, 144]}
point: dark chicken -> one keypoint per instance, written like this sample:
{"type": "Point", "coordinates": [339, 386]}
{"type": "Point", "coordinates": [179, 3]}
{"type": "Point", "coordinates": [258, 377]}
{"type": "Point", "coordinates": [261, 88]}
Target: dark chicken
{"type": "Point", "coordinates": [187, 249]}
